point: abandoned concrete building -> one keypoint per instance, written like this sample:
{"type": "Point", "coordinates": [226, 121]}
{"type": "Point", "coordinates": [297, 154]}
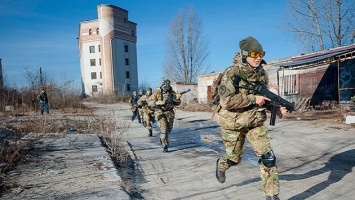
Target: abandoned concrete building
{"type": "Point", "coordinates": [108, 52]}
{"type": "Point", "coordinates": [312, 80]}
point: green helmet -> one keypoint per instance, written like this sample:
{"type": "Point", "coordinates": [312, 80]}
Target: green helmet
{"type": "Point", "coordinates": [149, 89]}
{"type": "Point", "coordinates": [166, 82]}
{"type": "Point", "coordinates": [166, 85]}
{"type": "Point", "coordinates": [141, 91]}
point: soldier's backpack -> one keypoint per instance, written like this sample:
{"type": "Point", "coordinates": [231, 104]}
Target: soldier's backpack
{"type": "Point", "coordinates": [216, 83]}
{"type": "Point", "coordinates": [214, 89]}
{"type": "Point", "coordinates": [215, 98]}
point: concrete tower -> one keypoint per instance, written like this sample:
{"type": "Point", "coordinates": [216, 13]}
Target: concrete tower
{"type": "Point", "coordinates": [108, 52]}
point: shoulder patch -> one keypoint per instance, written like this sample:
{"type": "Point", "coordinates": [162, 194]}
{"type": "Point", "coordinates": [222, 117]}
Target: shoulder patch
{"type": "Point", "coordinates": [222, 90]}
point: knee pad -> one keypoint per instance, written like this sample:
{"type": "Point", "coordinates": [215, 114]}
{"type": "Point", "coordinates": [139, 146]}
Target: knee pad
{"type": "Point", "coordinates": [232, 163]}
{"type": "Point", "coordinates": [268, 159]}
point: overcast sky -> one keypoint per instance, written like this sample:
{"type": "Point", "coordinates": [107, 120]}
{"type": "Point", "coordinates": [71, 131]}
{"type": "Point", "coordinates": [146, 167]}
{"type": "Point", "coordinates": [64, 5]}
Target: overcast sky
{"type": "Point", "coordinates": [42, 33]}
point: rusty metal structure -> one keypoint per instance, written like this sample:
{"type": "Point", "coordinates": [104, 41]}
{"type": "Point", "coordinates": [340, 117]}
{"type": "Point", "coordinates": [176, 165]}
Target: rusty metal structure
{"type": "Point", "coordinates": [324, 76]}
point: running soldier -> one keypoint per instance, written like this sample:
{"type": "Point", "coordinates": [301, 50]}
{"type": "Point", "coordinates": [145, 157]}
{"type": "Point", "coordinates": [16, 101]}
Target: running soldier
{"type": "Point", "coordinates": [148, 112]}
{"type": "Point", "coordinates": [134, 106]}
{"type": "Point", "coordinates": [242, 115]}
{"type": "Point", "coordinates": [164, 100]}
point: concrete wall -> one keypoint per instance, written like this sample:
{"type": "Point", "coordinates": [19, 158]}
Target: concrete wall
{"type": "Point", "coordinates": [190, 96]}
{"type": "Point", "coordinates": [114, 31]}
{"type": "Point", "coordinates": [204, 87]}
{"type": "Point", "coordinates": [120, 68]}
{"type": "Point", "coordinates": [87, 69]}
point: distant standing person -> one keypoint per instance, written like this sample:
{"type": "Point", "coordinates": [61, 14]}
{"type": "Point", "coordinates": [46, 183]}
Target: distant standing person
{"type": "Point", "coordinates": [140, 109]}
{"type": "Point", "coordinates": [243, 113]}
{"type": "Point", "coordinates": [43, 101]}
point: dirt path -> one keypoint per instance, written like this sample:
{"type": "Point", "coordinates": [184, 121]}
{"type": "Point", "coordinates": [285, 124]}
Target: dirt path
{"type": "Point", "coordinates": [315, 160]}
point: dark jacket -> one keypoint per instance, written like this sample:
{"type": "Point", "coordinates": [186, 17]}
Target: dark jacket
{"type": "Point", "coordinates": [42, 97]}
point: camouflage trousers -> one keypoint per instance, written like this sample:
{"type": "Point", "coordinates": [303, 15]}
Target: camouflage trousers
{"type": "Point", "coordinates": [165, 122]}
{"type": "Point", "coordinates": [140, 112]}
{"type": "Point", "coordinates": [259, 139]}
{"type": "Point", "coordinates": [149, 119]}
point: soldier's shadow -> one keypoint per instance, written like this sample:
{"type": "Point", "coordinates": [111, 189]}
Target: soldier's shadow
{"type": "Point", "coordinates": [339, 166]}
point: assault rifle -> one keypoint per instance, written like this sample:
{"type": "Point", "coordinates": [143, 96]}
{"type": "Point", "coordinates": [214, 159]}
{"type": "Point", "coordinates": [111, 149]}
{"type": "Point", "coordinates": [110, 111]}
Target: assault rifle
{"type": "Point", "coordinates": [186, 91]}
{"type": "Point", "coordinates": [276, 101]}
{"type": "Point", "coordinates": [174, 100]}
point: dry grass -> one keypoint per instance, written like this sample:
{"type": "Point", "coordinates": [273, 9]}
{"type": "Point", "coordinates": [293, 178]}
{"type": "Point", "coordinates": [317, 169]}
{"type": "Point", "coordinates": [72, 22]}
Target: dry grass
{"type": "Point", "coordinates": [109, 99]}
{"type": "Point", "coordinates": [114, 140]}
{"type": "Point", "coordinates": [195, 107]}
{"type": "Point", "coordinates": [14, 148]}
{"type": "Point", "coordinates": [68, 113]}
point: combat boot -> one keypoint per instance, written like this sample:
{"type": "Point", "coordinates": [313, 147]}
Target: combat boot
{"type": "Point", "coordinates": [165, 149]}
{"type": "Point", "coordinates": [275, 197]}
{"type": "Point", "coordinates": [150, 132]}
{"type": "Point", "coordinates": [220, 175]}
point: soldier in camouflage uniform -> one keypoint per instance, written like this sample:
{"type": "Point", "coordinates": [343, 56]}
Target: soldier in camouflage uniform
{"type": "Point", "coordinates": [164, 100]}
{"type": "Point", "coordinates": [148, 112]}
{"type": "Point", "coordinates": [140, 110]}
{"type": "Point", "coordinates": [242, 115]}
{"type": "Point", "coordinates": [134, 106]}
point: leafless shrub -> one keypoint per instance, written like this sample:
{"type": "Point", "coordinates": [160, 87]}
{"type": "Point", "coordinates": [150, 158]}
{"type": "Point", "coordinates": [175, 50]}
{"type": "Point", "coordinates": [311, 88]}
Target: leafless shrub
{"type": "Point", "coordinates": [12, 151]}
{"type": "Point", "coordinates": [25, 99]}
{"type": "Point", "coordinates": [113, 136]}
{"type": "Point", "coordinates": [109, 99]}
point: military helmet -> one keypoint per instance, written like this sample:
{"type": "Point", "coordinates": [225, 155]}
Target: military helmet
{"type": "Point", "coordinates": [134, 92]}
{"type": "Point", "coordinates": [166, 85]}
{"type": "Point", "coordinates": [166, 82]}
{"type": "Point", "coordinates": [149, 89]}
{"type": "Point", "coordinates": [141, 91]}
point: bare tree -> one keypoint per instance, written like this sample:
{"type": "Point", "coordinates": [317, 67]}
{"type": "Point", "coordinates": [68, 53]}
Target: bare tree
{"type": "Point", "coordinates": [38, 78]}
{"type": "Point", "coordinates": [144, 84]}
{"type": "Point", "coordinates": [321, 24]}
{"type": "Point", "coordinates": [187, 49]}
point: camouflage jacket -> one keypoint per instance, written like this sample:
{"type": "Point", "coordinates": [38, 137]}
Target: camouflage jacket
{"type": "Point", "coordinates": [142, 102]}
{"type": "Point", "coordinates": [238, 107]}
{"type": "Point", "coordinates": [166, 97]}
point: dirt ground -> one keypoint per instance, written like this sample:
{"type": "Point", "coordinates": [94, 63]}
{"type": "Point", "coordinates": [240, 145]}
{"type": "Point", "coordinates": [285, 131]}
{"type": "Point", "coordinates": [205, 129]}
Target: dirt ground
{"type": "Point", "coordinates": [195, 137]}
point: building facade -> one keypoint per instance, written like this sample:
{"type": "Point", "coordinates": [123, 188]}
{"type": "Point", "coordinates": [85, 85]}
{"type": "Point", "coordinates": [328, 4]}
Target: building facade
{"type": "Point", "coordinates": [204, 88]}
{"type": "Point", "coordinates": [327, 75]}
{"type": "Point", "coordinates": [108, 53]}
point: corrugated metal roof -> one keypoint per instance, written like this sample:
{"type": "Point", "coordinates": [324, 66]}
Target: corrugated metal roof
{"type": "Point", "coordinates": [309, 60]}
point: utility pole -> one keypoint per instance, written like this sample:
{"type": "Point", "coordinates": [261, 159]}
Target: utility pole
{"type": "Point", "coordinates": [1, 77]}
{"type": "Point", "coordinates": [40, 76]}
